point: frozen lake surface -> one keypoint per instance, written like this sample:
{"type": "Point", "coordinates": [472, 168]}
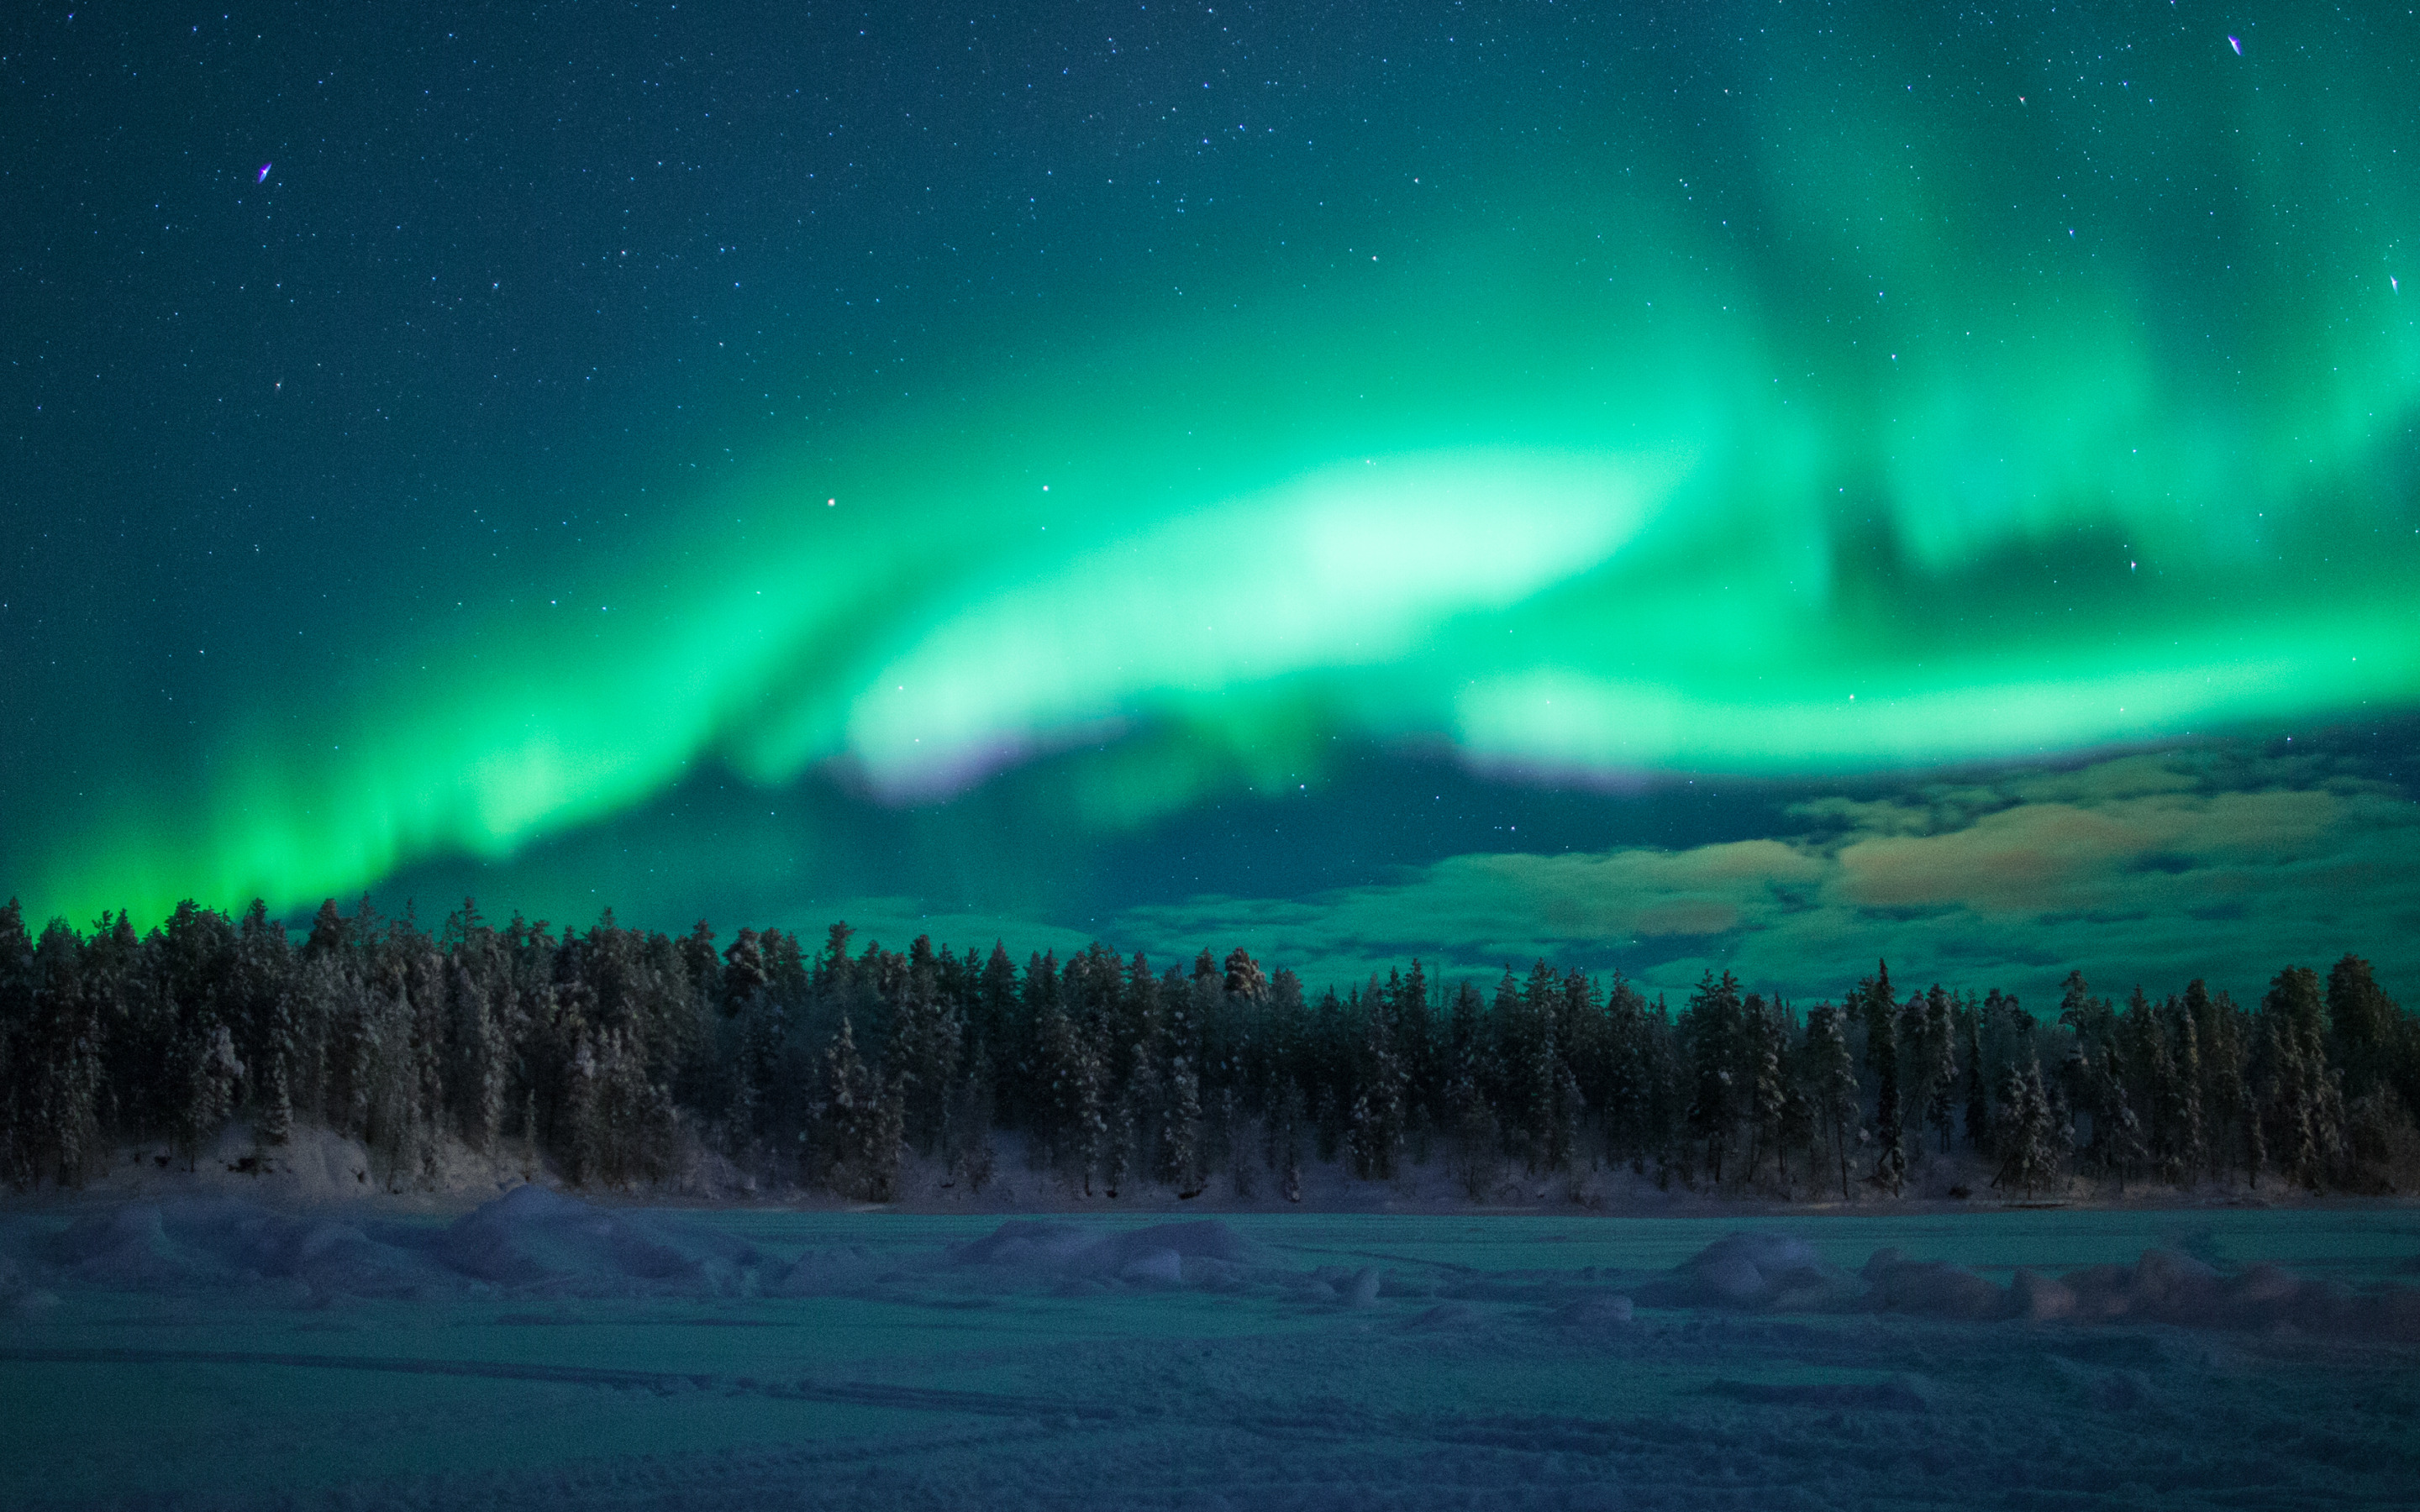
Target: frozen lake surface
{"type": "Point", "coordinates": [543, 1353]}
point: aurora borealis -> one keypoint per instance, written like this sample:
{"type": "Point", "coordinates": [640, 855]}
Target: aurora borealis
{"type": "Point", "coordinates": [1777, 482]}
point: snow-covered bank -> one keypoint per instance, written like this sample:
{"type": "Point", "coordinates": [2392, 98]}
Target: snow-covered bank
{"type": "Point", "coordinates": [319, 1169]}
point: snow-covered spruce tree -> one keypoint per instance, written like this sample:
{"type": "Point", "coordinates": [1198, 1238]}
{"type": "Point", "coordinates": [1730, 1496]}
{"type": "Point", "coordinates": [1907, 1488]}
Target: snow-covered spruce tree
{"type": "Point", "coordinates": [1767, 1043]}
{"type": "Point", "coordinates": [2091, 1078]}
{"type": "Point", "coordinates": [2293, 1077]}
{"type": "Point", "coordinates": [1556, 1107]}
{"type": "Point", "coordinates": [1478, 1140]}
{"type": "Point", "coordinates": [19, 1139]}
{"type": "Point", "coordinates": [207, 1075]}
{"type": "Point", "coordinates": [2188, 1153]}
{"type": "Point", "coordinates": [256, 1003]}
{"type": "Point", "coordinates": [637, 1129]}
{"type": "Point", "coordinates": [109, 967]}
{"type": "Point", "coordinates": [1801, 1130]}
{"type": "Point", "coordinates": [1069, 1115]}
{"type": "Point", "coordinates": [968, 1157]}
{"type": "Point", "coordinates": [61, 1089]}
{"type": "Point", "coordinates": [1828, 1074]}
{"type": "Point", "coordinates": [1667, 1094]}
{"type": "Point", "coordinates": [1622, 1094]}
{"type": "Point", "coordinates": [577, 1140]}
{"type": "Point", "coordinates": [2360, 1027]}
{"type": "Point", "coordinates": [1180, 1161]}
{"type": "Point", "coordinates": [1278, 1060]}
{"type": "Point", "coordinates": [1940, 1064]}
{"type": "Point", "coordinates": [2029, 1136]}
{"type": "Point", "coordinates": [420, 973]}
{"type": "Point", "coordinates": [1418, 1050]}
{"type": "Point", "coordinates": [1530, 1056]}
{"type": "Point", "coordinates": [854, 1140]}
{"type": "Point", "coordinates": [1374, 1132]}
{"type": "Point", "coordinates": [1972, 1019]}
{"type": "Point", "coordinates": [1127, 1119]}
{"type": "Point", "coordinates": [1282, 1136]}
{"type": "Point", "coordinates": [1712, 1030]}
{"type": "Point", "coordinates": [1134, 1047]}
{"type": "Point", "coordinates": [468, 1046]}
{"type": "Point", "coordinates": [1241, 1157]}
{"type": "Point", "coordinates": [926, 1041]}
{"type": "Point", "coordinates": [2127, 1148]}
{"type": "Point", "coordinates": [1508, 1063]}
{"type": "Point", "coordinates": [760, 1104]}
{"type": "Point", "coordinates": [1882, 1058]}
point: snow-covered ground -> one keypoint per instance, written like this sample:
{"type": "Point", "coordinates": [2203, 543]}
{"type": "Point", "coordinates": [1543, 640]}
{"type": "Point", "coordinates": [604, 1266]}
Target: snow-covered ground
{"type": "Point", "coordinates": [205, 1349]}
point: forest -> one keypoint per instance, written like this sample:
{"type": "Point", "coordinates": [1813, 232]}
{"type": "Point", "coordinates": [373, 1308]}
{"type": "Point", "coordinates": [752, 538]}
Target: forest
{"type": "Point", "coordinates": [621, 1059]}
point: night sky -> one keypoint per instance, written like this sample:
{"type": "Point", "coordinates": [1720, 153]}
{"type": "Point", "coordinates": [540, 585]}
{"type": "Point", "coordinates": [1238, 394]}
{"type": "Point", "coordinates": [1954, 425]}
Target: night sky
{"type": "Point", "coordinates": [1754, 484]}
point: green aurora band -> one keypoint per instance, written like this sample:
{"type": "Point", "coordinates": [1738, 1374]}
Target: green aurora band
{"type": "Point", "coordinates": [1921, 423]}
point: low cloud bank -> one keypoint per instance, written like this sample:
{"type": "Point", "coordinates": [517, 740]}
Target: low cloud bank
{"type": "Point", "coordinates": [2147, 868]}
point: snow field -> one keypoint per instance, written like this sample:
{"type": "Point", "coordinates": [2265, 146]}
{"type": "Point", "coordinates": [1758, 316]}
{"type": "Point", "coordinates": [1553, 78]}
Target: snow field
{"type": "Point", "coordinates": [540, 1351]}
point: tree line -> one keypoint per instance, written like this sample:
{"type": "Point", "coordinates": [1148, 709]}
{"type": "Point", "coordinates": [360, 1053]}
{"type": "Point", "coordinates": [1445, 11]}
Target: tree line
{"type": "Point", "coordinates": [620, 1057]}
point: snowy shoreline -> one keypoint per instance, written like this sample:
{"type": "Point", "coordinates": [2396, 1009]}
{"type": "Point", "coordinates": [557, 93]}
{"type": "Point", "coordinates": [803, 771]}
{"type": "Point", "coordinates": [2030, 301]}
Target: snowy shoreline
{"type": "Point", "coordinates": [319, 1169]}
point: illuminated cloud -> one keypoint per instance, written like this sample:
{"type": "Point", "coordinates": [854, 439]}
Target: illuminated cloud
{"type": "Point", "coordinates": [2149, 870]}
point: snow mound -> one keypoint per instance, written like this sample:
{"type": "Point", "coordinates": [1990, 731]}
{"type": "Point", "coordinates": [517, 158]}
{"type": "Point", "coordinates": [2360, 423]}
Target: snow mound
{"type": "Point", "coordinates": [2165, 1286]}
{"type": "Point", "coordinates": [1597, 1310]}
{"type": "Point", "coordinates": [1164, 1255]}
{"type": "Point", "coordinates": [532, 1238]}
{"type": "Point", "coordinates": [1780, 1272]}
{"type": "Point", "coordinates": [2162, 1287]}
{"type": "Point", "coordinates": [1931, 1288]}
{"type": "Point", "coordinates": [218, 1243]}
{"type": "Point", "coordinates": [1759, 1272]}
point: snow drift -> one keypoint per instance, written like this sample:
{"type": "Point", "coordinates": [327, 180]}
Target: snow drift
{"type": "Point", "coordinates": [537, 1243]}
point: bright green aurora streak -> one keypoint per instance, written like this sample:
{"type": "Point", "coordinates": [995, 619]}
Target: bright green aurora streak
{"type": "Point", "coordinates": [2067, 406]}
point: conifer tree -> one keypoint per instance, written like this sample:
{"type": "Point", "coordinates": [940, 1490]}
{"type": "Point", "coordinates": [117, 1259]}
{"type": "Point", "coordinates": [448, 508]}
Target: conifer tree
{"type": "Point", "coordinates": [2302, 1114]}
{"type": "Point", "coordinates": [1882, 1058]}
{"type": "Point", "coordinates": [1375, 1135]}
{"type": "Point", "coordinates": [859, 1124]}
{"type": "Point", "coordinates": [1282, 1135]}
{"type": "Point", "coordinates": [925, 1043]}
{"type": "Point", "coordinates": [1978, 1100]}
{"type": "Point", "coordinates": [1765, 1043]}
{"type": "Point", "coordinates": [2029, 1124]}
{"type": "Point", "coordinates": [61, 1053]}
{"type": "Point", "coordinates": [1940, 1065]}
{"type": "Point", "coordinates": [1623, 1095]}
{"type": "Point", "coordinates": [1181, 1163]}
{"type": "Point", "coordinates": [1415, 1038]}
{"type": "Point", "coordinates": [20, 1055]}
{"type": "Point", "coordinates": [1829, 1076]}
{"type": "Point", "coordinates": [2193, 1133]}
{"type": "Point", "coordinates": [1478, 1140]}
{"type": "Point", "coordinates": [1713, 1029]}
{"type": "Point", "coordinates": [2361, 1026]}
{"type": "Point", "coordinates": [971, 1158]}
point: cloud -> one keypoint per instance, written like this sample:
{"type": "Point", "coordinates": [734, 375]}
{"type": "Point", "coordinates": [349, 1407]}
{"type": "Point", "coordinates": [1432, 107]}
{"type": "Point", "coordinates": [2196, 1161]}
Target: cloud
{"type": "Point", "coordinates": [2145, 869]}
